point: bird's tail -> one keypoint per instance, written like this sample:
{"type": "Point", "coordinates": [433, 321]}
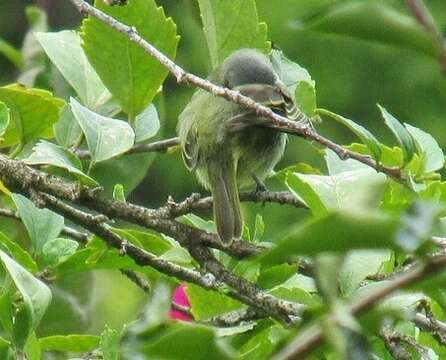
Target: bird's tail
{"type": "Point", "coordinates": [227, 214]}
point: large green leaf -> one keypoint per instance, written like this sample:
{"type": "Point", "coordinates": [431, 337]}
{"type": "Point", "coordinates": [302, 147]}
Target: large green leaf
{"type": "Point", "coordinates": [346, 231]}
{"type": "Point", "coordinates": [46, 153]}
{"type": "Point", "coordinates": [4, 118]}
{"type": "Point", "coordinates": [231, 25]}
{"type": "Point", "coordinates": [33, 112]}
{"type": "Point", "coordinates": [401, 134]}
{"type": "Point", "coordinates": [65, 51]}
{"type": "Point", "coordinates": [374, 21]}
{"type": "Point", "coordinates": [36, 298]}
{"type": "Point", "coordinates": [432, 154]}
{"type": "Point", "coordinates": [131, 75]}
{"type": "Point", "coordinates": [42, 224]}
{"type": "Point", "coordinates": [362, 133]}
{"type": "Point", "coordinates": [106, 137]}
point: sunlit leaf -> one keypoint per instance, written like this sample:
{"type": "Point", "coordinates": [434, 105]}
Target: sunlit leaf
{"type": "Point", "coordinates": [106, 137]}
{"type": "Point", "coordinates": [131, 75]}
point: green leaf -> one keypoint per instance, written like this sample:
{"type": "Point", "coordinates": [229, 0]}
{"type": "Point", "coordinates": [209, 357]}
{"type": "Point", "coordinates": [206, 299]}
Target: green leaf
{"type": "Point", "coordinates": [298, 81]}
{"type": "Point", "coordinates": [131, 75]}
{"type": "Point", "coordinates": [198, 342]}
{"type": "Point", "coordinates": [205, 303]}
{"type": "Point", "coordinates": [348, 231]}
{"type": "Point", "coordinates": [231, 25]}
{"type": "Point", "coordinates": [33, 113]}
{"type": "Point", "coordinates": [6, 351]}
{"type": "Point", "coordinates": [110, 344]}
{"type": "Point", "coordinates": [147, 124]}
{"type": "Point", "coordinates": [19, 254]}
{"type": "Point", "coordinates": [428, 148]}
{"type": "Point", "coordinates": [118, 193]}
{"type": "Point", "coordinates": [259, 229]}
{"type": "Point", "coordinates": [46, 153]}
{"type": "Point", "coordinates": [67, 130]}
{"type": "Point", "coordinates": [276, 275]}
{"type": "Point", "coordinates": [4, 118]}
{"type": "Point", "coordinates": [376, 22]}
{"type": "Point", "coordinates": [358, 265]}
{"type": "Point", "coordinates": [307, 193]}
{"type": "Point", "coordinates": [57, 250]}
{"type": "Point", "coordinates": [418, 225]}
{"type": "Point", "coordinates": [36, 298]}
{"type": "Point", "coordinates": [305, 96]}
{"type": "Point", "coordinates": [326, 275]}
{"type": "Point", "coordinates": [32, 348]}
{"type": "Point", "coordinates": [350, 189]}
{"type": "Point", "coordinates": [335, 165]}
{"type": "Point", "coordinates": [401, 134]}
{"type": "Point", "coordinates": [70, 343]}
{"type": "Point", "coordinates": [362, 133]}
{"type": "Point", "coordinates": [65, 51]}
{"type": "Point", "coordinates": [42, 224]}
{"type": "Point", "coordinates": [106, 137]}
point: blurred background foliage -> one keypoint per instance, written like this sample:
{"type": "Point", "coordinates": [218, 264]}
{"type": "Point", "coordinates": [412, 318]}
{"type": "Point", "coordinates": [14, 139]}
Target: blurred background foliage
{"type": "Point", "coordinates": [353, 71]}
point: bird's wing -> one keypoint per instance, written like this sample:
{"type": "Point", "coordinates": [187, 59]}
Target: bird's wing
{"type": "Point", "coordinates": [187, 131]}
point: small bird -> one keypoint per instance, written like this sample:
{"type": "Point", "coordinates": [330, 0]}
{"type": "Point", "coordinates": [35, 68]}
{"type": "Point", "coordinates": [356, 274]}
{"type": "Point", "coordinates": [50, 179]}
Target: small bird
{"type": "Point", "coordinates": [225, 144]}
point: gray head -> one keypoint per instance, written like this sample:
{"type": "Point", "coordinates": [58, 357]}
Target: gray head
{"type": "Point", "coordinates": [247, 66]}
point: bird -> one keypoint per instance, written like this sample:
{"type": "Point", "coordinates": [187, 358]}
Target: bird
{"type": "Point", "coordinates": [228, 145]}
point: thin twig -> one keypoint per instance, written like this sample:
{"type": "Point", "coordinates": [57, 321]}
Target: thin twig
{"type": "Point", "coordinates": [137, 279]}
{"type": "Point", "coordinates": [392, 341]}
{"type": "Point", "coordinates": [195, 202]}
{"type": "Point", "coordinates": [156, 146]}
{"type": "Point", "coordinates": [278, 122]}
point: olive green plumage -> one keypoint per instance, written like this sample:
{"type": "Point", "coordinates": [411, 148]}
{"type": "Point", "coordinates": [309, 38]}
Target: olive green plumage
{"type": "Point", "coordinates": [223, 143]}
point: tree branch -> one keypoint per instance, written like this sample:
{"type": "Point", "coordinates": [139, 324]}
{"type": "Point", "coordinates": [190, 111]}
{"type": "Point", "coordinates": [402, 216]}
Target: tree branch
{"type": "Point", "coordinates": [156, 146]}
{"type": "Point", "coordinates": [195, 202]}
{"type": "Point", "coordinates": [20, 177]}
{"type": "Point", "coordinates": [277, 122]}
